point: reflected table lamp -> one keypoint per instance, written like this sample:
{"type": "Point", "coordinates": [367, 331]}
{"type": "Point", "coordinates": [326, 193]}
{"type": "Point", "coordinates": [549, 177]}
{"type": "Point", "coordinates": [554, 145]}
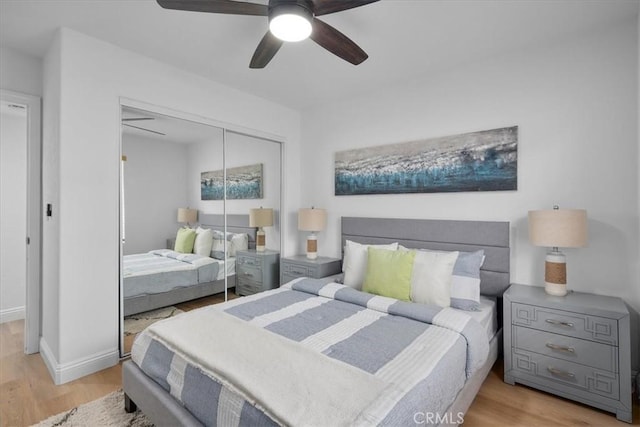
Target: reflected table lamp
{"type": "Point", "coordinates": [187, 216]}
{"type": "Point", "coordinates": [313, 220]}
{"type": "Point", "coordinates": [557, 228]}
{"type": "Point", "coordinates": [261, 217]}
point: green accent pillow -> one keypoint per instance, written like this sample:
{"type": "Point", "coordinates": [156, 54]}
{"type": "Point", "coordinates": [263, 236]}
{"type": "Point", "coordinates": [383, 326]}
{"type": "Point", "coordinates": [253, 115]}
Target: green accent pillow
{"type": "Point", "coordinates": [185, 239]}
{"type": "Point", "coordinates": [389, 273]}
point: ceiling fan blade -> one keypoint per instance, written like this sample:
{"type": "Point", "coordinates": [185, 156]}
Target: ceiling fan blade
{"type": "Point", "coordinates": [324, 7]}
{"type": "Point", "coordinates": [137, 119]}
{"type": "Point", "coordinates": [336, 42]}
{"type": "Point", "coordinates": [146, 130]}
{"type": "Point", "coordinates": [267, 48]}
{"type": "Point", "coordinates": [216, 6]}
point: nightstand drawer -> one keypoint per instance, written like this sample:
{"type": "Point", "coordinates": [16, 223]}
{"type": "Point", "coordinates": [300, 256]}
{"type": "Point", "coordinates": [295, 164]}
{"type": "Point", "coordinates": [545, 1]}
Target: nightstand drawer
{"type": "Point", "coordinates": [551, 371]}
{"type": "Point", "coordinates": [249, 261]}
{"type": "Point", "coordinates": [577, 325]}
{"type": "Point", "coordinates": [295, 270]}
{"type": "Point", "coordinates": [576, 350]}
{"type": "Point", "coordinates": [248, 288]}
{"type": "Point", "coordinates": [249, 273]}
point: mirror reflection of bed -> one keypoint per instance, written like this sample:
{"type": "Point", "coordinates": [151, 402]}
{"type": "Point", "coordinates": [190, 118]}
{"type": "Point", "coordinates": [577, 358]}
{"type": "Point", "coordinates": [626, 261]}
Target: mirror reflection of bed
{"type": "Point", "coordinates": [163, 283]}
{"type": "Point", "coordinates": [163, 159]}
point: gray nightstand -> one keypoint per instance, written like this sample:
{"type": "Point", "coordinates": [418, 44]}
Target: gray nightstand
{"type": "Point", "coordinates": [256, 271]}
{"type": "Point", "coordinates": [576, 346]}
{"type": "Point", "coordinates": [301, 266]}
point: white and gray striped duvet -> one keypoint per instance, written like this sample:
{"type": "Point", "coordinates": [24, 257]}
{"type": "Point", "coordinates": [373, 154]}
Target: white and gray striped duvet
{"type": "Point", "coordinates": [312, 353]}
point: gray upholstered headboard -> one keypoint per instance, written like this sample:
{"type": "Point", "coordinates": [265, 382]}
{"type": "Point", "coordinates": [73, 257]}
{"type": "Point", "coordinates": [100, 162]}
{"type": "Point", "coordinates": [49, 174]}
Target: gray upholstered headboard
{"type": "Point", "coordinates": [447, 235]}
{"type": "Point", "coordinates": [236, 223]}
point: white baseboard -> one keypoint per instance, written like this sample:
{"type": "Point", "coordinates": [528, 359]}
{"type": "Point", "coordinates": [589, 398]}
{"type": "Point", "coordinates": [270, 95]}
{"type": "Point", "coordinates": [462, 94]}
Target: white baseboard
{"type": "Point", "coordinates": [11, 314]}
{"type": "Point", "coordinates": [63, 373]}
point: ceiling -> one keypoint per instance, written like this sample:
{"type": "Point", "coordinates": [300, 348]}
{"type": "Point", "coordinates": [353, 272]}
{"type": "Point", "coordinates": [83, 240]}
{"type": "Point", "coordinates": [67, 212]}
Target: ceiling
{"type": "Point", "coordinates": [405, 39]}
{"type": "Point", "coordinates": [175, 130]}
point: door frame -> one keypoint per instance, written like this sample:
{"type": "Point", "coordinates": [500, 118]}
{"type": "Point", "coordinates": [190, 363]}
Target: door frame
{"type": "Point", "coordinates": [33, 302]}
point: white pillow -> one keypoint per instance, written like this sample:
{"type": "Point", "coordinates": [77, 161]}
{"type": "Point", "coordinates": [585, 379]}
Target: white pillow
{"type": "Point", "coordinates": [217, 249]}
{"type": "Point", "coordinates": [465, 279]}
{"type": "Point", "coordinates": [354, 264]}
{"type": "Point", "coordinates": [204, 241]}
{"type": "Point", "coordinates": [235, 242]}
{"type": "Point", "coordinates": [239, 242]}
{"type": "Point", "coordinates": [431, 277]}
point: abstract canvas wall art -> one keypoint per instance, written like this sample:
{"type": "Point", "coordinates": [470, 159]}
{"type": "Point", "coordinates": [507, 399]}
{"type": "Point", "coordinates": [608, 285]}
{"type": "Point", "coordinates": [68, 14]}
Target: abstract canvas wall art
{"type": "Point", "coordinates": [243, 182]}
{"type": "Point", "coordinates": [477, 161]}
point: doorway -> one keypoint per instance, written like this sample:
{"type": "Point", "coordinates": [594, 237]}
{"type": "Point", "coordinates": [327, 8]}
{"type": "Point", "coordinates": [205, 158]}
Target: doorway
{"type": "Point", "coordinates": [20, 287]}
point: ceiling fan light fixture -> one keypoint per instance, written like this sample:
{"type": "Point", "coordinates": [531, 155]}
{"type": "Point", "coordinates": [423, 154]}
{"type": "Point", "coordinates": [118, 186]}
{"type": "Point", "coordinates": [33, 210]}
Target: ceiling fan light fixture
{"type": "Point", "coordinates": [290, 23]}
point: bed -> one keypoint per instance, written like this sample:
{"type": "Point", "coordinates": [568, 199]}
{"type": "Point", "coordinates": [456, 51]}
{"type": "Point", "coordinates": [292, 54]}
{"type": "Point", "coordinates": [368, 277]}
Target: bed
{"type": "Point", "coordinates": [163, 277]}
{"type": "Point", "coordinates": [428, 364]}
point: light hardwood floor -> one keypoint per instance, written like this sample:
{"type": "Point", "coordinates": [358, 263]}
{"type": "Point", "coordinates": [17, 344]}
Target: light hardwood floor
{"type": "Point", "coordinates": [28, 394]}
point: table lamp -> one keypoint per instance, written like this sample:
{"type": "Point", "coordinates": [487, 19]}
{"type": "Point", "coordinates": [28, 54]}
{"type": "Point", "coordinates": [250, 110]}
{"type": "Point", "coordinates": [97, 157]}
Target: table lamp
{"type": "Point", "coordinates": [313, 220]}
{"type": "Point", "coordinates": [557, 228]}
{"type": "Point", "coordinates": [261, 217]}
{"type": "Point", "coordinates": [186, 215]}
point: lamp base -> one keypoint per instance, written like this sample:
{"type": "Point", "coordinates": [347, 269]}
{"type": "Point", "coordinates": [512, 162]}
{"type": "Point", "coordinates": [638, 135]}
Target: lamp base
{"type": "Point", "coordinates": [312, 246]}
{"type": "Point", "coordinates": [555, 289]}
{"type": "Point", "coordinates": [555, 274]}
{"type": "Point", "coordinates": [261, 240]}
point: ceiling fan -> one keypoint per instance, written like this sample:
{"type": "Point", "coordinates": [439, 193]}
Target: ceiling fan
{"type": "Point", "coordinates": [289, 20]}
{"type": "Point", "coordinates": [135, 119]}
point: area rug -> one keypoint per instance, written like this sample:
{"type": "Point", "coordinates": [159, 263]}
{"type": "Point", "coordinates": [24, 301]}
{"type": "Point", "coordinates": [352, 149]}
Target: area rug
{"type": "Point", "coordinates": [138, 322]}
{"type": "Point", "coordinates": [107, 411]}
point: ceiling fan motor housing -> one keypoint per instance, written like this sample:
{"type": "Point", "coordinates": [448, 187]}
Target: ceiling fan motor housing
{"type": "Point", "coordinates": [302, 8]}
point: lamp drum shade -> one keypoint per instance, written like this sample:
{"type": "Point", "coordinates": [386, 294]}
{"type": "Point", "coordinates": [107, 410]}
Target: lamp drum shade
{"type": "Point", "coordinates": [564, 228]}
{"type": "Point", "coordinates": [312, 219]}
{"type": "Point", "coordinates": [261, 217]}
{"type": "Point", "coordinates": [187, 215]}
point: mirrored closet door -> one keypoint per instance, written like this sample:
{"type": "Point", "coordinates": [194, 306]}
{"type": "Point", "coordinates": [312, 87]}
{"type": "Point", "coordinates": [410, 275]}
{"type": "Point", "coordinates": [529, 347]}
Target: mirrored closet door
{"type": "Point", "coordinates": [190, 192]}
{"type": "Point", "coordinates": [253, 181]}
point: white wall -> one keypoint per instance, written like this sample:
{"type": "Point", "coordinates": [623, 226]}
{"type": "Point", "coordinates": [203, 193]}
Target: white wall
{"type": "Point", "coordinates": [202, 157]}
{"type": "Point", "coordinates": [84, 102]}
{"type": "Point", "coordinates": [155, 186]}
{"type": "Point", "coordinates": [576, 104]}
{"type": "Point", "coordinates": [20, 72]}
{"type": "Point", "coordinates": [51, 177]}
{"type": "Point", "coordinates": [13, 214]}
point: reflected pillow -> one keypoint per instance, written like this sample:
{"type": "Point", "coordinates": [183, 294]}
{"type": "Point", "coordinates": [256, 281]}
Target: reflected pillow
{"type": "Point", "coordinates": [354, 264]}
{"type": "Point", "coordinates": [185, 240]}
{"type": "Point", "coordinates": [389, 273]}
{"type": "Point", "coordinates": [217, 247]}
{"type": "Point", "coordinates": [239, 242]}
{"type": "Point", "coordinates": [235, 242]}
{"type": "Point", "coordinates": [204, 241]}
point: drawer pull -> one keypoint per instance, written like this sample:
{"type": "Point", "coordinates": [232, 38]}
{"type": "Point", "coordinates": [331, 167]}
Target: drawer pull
{"type": "Point", "coordinates": [560, 347]}
{"type": "Point", "coordinates": [560, 372]}
{"type": "Point", "coordinates": [559, 323]}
